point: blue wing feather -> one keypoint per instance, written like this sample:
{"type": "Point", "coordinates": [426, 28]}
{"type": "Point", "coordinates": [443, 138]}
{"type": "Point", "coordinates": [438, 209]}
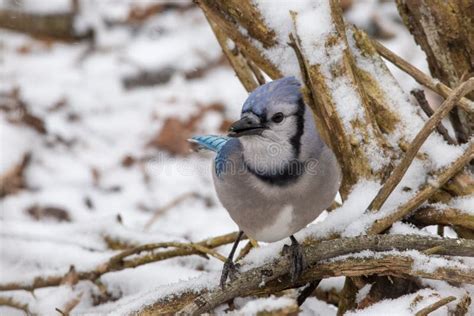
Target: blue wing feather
{"type": "Point", "coordinates": [216, 144]}
{"type": "Point", "coordinates": [211, 142]}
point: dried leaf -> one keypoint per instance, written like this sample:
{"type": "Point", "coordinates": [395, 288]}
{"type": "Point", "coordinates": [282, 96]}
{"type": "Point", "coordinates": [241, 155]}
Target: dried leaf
{"type": "Point", "coordinates": [13, 180]}
{"type": "Point", "coordinates": [175, 132]}
{"type": "Point", "coordinates": [48, 212]}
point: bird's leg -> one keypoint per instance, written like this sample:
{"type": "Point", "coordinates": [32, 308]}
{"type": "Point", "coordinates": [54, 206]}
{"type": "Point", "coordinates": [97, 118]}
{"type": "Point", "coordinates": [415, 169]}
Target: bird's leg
{"type": "Point", "coordinates": [296, 257]}
{"type": "Point", "coordinates": [229, 269]}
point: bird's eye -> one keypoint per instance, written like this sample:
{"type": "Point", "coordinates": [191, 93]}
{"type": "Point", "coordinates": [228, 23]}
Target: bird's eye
{"type": "Point", "coordinates": [278, 117]}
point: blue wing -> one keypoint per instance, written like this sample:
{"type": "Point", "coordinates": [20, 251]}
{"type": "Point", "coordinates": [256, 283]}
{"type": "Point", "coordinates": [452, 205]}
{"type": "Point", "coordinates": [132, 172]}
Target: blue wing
{"type": "Point", "coordinates": [216, 144]}
{"type": "Point", "coordinates": [211, 142]}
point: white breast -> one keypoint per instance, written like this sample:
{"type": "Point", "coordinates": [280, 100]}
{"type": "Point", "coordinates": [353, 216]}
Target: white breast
{"type": "Point", "coordinates": [278, 229]}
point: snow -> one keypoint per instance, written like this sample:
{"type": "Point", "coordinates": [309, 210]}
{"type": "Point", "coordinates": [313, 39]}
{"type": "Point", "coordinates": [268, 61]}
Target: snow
{"type": "Point", "coordinates": [363, 292]}
{"type": "Point", "coordinates": [315, 307]}
{"type": "Point", "coordinates": [50, 6]}
{"type": "Point", "coordinates": [464, 203]}
{"type": "Point", "coordinates": [406, 305]}
{"type": "Point", "coordinates": [266, 304]}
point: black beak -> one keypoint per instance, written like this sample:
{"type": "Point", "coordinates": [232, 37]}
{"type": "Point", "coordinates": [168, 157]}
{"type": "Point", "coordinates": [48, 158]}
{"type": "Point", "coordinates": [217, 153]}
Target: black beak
{"type": "Point", "coordinates": [246, 126]}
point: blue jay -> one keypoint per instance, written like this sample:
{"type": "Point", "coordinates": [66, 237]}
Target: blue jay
{"type": "Point", "coordinates": [273, 172]}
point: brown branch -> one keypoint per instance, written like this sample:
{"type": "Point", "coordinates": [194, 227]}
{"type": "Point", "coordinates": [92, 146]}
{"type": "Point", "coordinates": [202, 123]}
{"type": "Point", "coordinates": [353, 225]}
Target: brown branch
{"type": "Point", "coordinates": [382, 265]}
{"type": "Point", "coordinates": [229, 20]}
{"type": "Point", "coordinates": [347, 299]}
{"type": "Point", "coordinates": [277, 271]}
{"type": "Point", "coordinates": [238, 62]}
{"type": "Point", "coordinates": [58, 26]}
{"type": "Point", "coordinates": [421, 77]}
{"type": "Point", "coordinates": [66, 311]}
{"type": "Point", "coordinates": [432, 215]}
{"type": "Point", "coordinates": [425, 106]}
{"type": "Point", "coordinates": [321, 117]}
{"type": "Point", "coordinates": [431, 308]}
{"type": "Point", "coordinates": [10, 302]}
{"type": "Point", "coordinates": [399, 171]}
{"type": "Point", "coordinates": [117, 262]}
{"type": "Point", "coordinates": [421, 196]}
{"type": "Point", "coordinates": [463, 306]}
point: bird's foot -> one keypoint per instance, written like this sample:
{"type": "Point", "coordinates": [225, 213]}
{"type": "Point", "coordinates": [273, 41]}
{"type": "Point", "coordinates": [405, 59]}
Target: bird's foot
{"type": "Point", "coordinates": [230, 270]}
{"type": "Point", "coordinates": [296, 259]}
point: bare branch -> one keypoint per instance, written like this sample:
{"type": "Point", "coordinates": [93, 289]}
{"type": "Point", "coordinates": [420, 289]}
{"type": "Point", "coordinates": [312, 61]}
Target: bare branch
{"type": "Point", "coordinates": [433, 215]}
{"type": "Point", "coordinates": [420, 76]}
{"type": "Point", "coordinates": [425, 311]}
{"type": "Point", "coordinates": [421, 196]}
{"type": "Point", "coordinates": [398, 173]}
{"type": "Point", "coordinates": [276, 272]}
{"type": "Point", "coordinates": [425, 106]}
{"type": "Point", "coordinates": [117, 262]}
{"type": "Point", "coordinates": [10, 302]}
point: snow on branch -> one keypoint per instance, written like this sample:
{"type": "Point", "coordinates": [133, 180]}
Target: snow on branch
{"type": "Point", "coordinates": [387, 256]}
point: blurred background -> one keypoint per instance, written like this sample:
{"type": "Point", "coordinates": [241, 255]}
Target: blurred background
{"type": "Point", "coordinates": [97, 99]}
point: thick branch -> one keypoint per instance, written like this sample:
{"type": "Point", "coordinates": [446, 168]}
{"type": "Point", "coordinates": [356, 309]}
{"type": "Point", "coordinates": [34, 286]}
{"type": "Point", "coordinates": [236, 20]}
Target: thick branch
{"type": "Point", "coordinates": [251, 281]}
{"type": "Point", "coordinates": [431, 215]}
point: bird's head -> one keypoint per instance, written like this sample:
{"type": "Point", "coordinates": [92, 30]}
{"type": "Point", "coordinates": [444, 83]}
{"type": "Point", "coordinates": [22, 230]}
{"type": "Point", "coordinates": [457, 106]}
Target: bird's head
{"type": "Point", "coordinates": [274, 111]}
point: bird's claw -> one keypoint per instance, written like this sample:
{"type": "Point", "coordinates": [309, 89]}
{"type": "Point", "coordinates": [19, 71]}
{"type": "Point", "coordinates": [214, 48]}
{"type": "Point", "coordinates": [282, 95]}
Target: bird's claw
{"type": "Point", "coordinates": [230, 270]}
{"type": "Point", "coordinates": [297, 264]}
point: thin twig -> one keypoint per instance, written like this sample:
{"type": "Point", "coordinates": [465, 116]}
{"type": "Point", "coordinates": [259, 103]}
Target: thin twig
{"type": "Point", "coordinates": [209, 251]}
{"type": "Point", "coordinates": [425, 106]}
{"type": "Point", "coordinates": [244, 251]}
{"type": "Point", "coordinates": [66, 311]}
{"type": "Point", "coordinates": [117, 262]}
{"type": "Point", "coordinates": [419, 76]}
{"type": "Point", "coordinates": [118, 259]}
{"type": "Point", "coordinates": [10, 302]}
{"type": "Point", "coordinates": [430, 188]}
{"type": "Point", "coordinates": [257, 72]}
{"type": "Point", "coordinates": [425, 311]}
{"type": "Point", "coordinates": [399, 171]}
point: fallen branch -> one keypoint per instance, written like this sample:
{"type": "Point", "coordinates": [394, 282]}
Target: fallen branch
{"type": "Point", "coordinates": [59, 26]}
{"type": "Point", "coordinates": [422, 78]}
{"type": "Point", "coordinates": [400, 170]}
{"type": "Point", "coordinates": [10, 302]}
{"type": "Point", "coordinates": [274, 274]}
{"type": "Point", "coordinates": [431, 308]}
{"type": "Point", "coordinates": [421, 196]}
{"type": "Point", "coordinates": [117, 262]}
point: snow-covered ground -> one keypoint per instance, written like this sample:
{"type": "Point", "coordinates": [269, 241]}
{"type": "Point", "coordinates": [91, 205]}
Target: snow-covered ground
{"type": "Point", "coordinates": [101, 167]}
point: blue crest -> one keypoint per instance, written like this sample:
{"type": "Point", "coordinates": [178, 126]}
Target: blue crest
{"type": "Point", "coordinates": [285, 90]}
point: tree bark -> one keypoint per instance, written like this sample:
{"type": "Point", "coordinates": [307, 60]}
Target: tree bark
{"type": "Point", "coordinates": [444, 30]}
